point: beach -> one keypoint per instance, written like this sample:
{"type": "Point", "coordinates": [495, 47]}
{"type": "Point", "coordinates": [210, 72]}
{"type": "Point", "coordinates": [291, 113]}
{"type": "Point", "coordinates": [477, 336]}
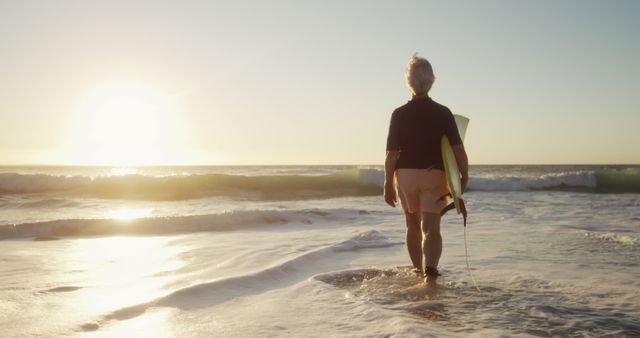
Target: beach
{"type": "Point", "coordinates": [217, 168]}
{"type": "Point", "coordinates": [312, 251]}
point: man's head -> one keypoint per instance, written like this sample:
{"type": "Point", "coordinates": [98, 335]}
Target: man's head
{"type": "Point", "coordinates": [419, 75]}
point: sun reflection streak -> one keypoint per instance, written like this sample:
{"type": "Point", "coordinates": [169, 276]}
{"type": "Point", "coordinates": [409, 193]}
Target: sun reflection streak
{"type": "Point", "coordinates": [130, 213]}
{"type": "Point", "coordinates": [123, 171]}
{"type": "Point", "coordinates": [124, 271]}
{"type": "Point", "coordinates": [151, 324]}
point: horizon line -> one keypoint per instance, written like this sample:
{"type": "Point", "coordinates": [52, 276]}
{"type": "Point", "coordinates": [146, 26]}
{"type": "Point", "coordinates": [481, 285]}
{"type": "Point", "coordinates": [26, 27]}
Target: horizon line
{"type": "Point", "coordinates": [287, 164]}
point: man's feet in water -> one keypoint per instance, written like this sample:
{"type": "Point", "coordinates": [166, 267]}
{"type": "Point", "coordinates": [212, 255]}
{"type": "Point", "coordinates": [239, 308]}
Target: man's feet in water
{"type": "Point", "coordinates": [431, 276]}
{"type": "Point", "coordinates": [430, 281]}
{"type": "Point", "coordinates": [418, 272]}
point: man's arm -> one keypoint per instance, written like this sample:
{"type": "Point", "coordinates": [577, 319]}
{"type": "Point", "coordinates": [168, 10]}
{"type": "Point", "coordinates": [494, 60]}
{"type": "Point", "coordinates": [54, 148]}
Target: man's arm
{"type": "Point", "coordinates": [463, 164]}
{"type": "Point", "coordinates": [389, 169]}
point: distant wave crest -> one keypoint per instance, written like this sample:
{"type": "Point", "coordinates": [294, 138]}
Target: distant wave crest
{"type": "Point", "coordinates": [580, 180]}
{"type": "Point", "coordinates": [355, 182]}
{"type": "Point", "coordinates": [625, 180]}
{"type": "Point", "coordinates": [182, 187]}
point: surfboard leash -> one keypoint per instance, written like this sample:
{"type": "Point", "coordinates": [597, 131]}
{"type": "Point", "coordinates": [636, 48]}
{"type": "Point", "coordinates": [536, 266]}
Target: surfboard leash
{"type": "Point", "coordinates": [463, 211]}
{"type": "Point", "coordinates": [466, 257]}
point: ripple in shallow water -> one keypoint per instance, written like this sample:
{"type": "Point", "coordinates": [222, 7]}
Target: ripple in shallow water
{"type": "Point", "coordinates": [520, 306]}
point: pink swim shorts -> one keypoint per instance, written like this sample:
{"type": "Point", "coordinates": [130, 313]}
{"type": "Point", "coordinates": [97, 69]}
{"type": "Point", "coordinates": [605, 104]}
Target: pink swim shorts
{"type": "Point", "coordinates": [420, 190]}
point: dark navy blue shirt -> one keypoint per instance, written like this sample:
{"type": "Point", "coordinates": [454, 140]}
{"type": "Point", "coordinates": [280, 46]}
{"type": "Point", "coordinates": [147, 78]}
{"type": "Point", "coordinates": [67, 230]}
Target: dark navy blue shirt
{"type": "Point", "coordinates": [416, 130]}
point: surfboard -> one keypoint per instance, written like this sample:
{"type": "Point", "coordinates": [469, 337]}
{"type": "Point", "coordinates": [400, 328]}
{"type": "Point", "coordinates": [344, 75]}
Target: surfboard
{"type": "Point", "coordinates": [450, 163]}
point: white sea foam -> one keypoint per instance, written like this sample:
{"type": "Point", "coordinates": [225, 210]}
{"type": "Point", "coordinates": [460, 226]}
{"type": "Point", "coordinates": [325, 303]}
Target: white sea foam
{"type": "Point", "coordinates": [612, 237]}
{"type": "Point", "coordinates": [542, 178]}
{"type": "Point", "coordinates": [569, 180]}
{"type": "Point", "coordinates": [522, 183]}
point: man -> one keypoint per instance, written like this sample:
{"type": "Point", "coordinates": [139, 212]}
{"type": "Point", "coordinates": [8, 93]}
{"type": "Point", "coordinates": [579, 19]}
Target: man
{"type": "Point", "coordinates": [414, 159]}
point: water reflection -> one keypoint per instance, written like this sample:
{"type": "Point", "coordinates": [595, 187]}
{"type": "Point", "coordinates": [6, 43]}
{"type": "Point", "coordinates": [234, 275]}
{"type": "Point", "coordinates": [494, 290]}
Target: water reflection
{"type": "Point", "coordinates": [122, 271]}
{"type": "Point", "coordinates": [130, 213]}
{"type": "Point", "coordinates": [152, 324]}
{"type": "Point", "coordinates": [122, 171]}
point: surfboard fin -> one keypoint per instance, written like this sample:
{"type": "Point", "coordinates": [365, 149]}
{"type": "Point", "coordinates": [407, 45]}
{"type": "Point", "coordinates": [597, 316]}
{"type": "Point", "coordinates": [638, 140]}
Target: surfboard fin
{"type": "Point", "coordinates": [452, 205]}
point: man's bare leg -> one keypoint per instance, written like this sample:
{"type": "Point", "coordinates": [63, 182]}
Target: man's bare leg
{"type": "Point", "coordinates": [431, 243]}
{"type": "Point", "coordinates": [414, 240]}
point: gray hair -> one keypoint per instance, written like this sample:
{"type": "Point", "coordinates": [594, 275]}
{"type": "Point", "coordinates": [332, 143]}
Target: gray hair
{"type": "Point", "coordinates": [419, 75]}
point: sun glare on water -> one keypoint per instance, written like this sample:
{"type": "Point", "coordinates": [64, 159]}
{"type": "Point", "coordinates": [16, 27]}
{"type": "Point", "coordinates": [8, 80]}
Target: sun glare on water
{"type": "Point", "coordinates": [125, 214]}
{"type": "Point", "coordinates": [127, 123]}
{"type": "Point", "coordinates": [123, 271]}
{"type": "Point", "coordinates": [123, 171]}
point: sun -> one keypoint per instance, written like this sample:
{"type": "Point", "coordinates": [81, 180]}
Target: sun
{"type": "Point", "coordinates": [127, 123]}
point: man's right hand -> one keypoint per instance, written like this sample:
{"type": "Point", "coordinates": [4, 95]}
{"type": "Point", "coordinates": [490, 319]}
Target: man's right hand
{"type": "Point", "coordinates": [390, 163]}
{"type": "Point", "coordinates": [390, 195]}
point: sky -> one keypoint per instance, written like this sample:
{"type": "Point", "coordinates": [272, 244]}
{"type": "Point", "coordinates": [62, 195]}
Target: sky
{"type": "Point", "coordinates": [313, 82]}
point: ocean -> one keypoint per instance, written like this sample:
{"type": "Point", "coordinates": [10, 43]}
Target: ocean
{"type": "Point", "coordinates": [313, 251]}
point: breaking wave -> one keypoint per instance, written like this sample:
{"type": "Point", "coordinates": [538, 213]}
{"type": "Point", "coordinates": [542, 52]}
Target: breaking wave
{"type": "Point", "coordinates": [354, 182]}
{"type": "Point", "coordinates": [625, 180]}
{"type": "Point", "coordinates": [182, 187]}
{"type": "Point", "coordinates": [52, 230]}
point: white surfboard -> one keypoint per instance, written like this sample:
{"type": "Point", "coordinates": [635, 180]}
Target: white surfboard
{"type": "Point", "coordinates": [450, 164]}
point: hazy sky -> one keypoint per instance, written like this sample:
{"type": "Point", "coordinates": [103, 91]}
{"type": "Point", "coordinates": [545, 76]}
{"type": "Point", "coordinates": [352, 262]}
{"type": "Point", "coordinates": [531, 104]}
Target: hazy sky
{"type": "Point", "coordinates": [313, 82]}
